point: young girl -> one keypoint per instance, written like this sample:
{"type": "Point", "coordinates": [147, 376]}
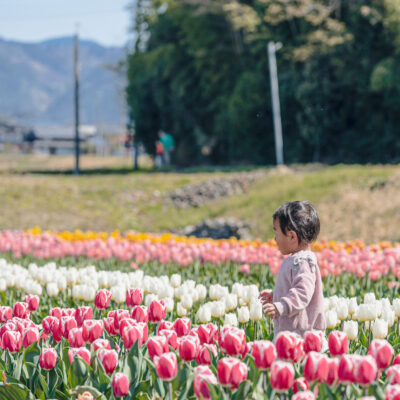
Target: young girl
{"type": "Point", "coordinates": [296, 303]}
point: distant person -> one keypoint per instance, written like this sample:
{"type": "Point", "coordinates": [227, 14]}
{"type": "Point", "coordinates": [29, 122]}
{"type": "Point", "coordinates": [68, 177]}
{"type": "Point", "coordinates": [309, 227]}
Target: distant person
{"type": "Point", "coordinates": [169, 145]}
{"type": "Point", "coordinates": [159, 154]}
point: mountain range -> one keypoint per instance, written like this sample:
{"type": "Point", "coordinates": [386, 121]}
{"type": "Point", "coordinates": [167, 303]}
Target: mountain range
{"type": "Point", "coordinates": [37, 82]}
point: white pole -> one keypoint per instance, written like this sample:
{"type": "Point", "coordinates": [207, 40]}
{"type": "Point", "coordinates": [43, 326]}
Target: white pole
{"type": "Point", "coordinates": [276, 109]}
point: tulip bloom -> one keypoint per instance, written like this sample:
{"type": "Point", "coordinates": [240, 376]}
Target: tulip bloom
{"type": "Point", "coordinates": [204, 355]}
{"type": "Point", "coordinates": [33, 302]}
{"type": "Point", "coordinates": [140, 314]}
{"type": "Point", "coordinates": [182, 326]}
{"type": "Point", "coordinates": [366, 371]}
{"type": "Point", "coordinates": [282, 376]}
{"type": "Point", "coordinates": [346, 368]}
{"type": "Point", "coordinates": [313, 341]}
{"type": "Point", "coordinates": [102, 299]}
{"type": "Point", "coordinates": [92, 329]}
{"type": "Point", "coordinates": [157, 345]}
{"type": "Point", "coordinates": [300, 385]}
{"type": "Point", "coordinates": [333, 367]}
{"type": "Point", "coordinates": [109, 326]}
{"type": "Point", "coordinates": [100, 344]}
{"type": "Point", "coordinates": [48, 358]}
{"type": "Point", "coordinates": [307, 395]}
{"type": "Point", "coordinates": [83, 313]}
{"type": "Point", "coordinates": [67, 323]}
{"type": "Point", "coordinates": [189, 347]}
{"type": "Point", "coordinates": [231, 372]}
{"type": "Point", "coordinates": [315, 367]}
{"type": "Point", "coordinates": [393, 375]}
{"type": "Point", "coordinates": [396, 359]}
{"type": "Point", "coordinates": [171, 336]}
{"type": "Point", "coordinates": [157, 311]}
{"type": "Point", "coordinates": [55, 312]}
{"type": "Point", "coordinates": [289, 346]}
{"type": "Point", "coordinates": [48, 324]}
{"type": "Point", "coordinates": [80, 351]}
{"type": "Point", "coordinates": [21, 310]}
{"type": "Point", "coordinates": [75, 338]}
{"type": "Point", "coordinates": [166, 366]}
{"type": "Point", "coordinates": [109, 360]}
{"type": "Point", "coordinates": [203, 376]}
{"type": "Point", "coordinates": [207, 333]}
{"type": "Point", "coordinates": [29, 336]}
{"type": "Point", "coordinates": [130, 335]}
{"type": "Point", "coordinates": [134, 297]}
{"type": "Point", "coordinates": [119, 315]}
{"type": "Point", "coordinates": [5, 314]}
{"type": "Point", "coordinates": [264, 354]}
{"type": "Point", "coordinates": [120, 385]}
{"type": "Point", "coordinates": [11, 340]}
{"type": "Point", "coordinates": [338, 343]}
{"type": "Point", "coordinates": [382, 351]}
{"type": "Point", "coordinates": [392, 392]}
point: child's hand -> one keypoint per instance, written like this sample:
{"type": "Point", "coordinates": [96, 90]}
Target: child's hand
{"type": "Point", "coordinates": [265, 296]}
{"type": "Point", "coordinates": [269, 309]}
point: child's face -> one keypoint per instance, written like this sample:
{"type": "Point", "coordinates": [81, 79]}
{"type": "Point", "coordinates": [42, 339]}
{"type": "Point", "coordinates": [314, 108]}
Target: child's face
{"type": "Point", "coordinates": [287, 243]}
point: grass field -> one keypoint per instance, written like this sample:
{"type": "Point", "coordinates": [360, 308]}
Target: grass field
{"type": "Point", "coordinates": [353, 201]}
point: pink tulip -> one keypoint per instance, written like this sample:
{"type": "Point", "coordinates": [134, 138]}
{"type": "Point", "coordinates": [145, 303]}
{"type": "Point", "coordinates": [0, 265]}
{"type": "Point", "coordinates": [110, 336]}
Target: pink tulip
{"type": "Point", "coordinates": [157, 311]}
{"type": "Point", "coordinates": [264, 354]}
{"type": "Point", "coordinates": [202, 377]}
{"type": "Point", "coordinates": [382, 351]}
{"type": "Point", "coordinates": [11, 340]}
{"type": "Point", "coordinates": [66, 324]}
{"type": "Point", "coordinates": [300, 384]}
{"type": "Point", "coordinates": [130, 335]}
{"type": "Point", "coordinates": [204, 355]}
{"type": "Point", "coordinates": [366, 371]}
{"type": "Point", "coordinates": [68, 312]}
{"type": "Point", "coordinates": [157, 345]}
{"type": "Point", "coordinates": [48, 358]}
{"type": "Point", "coordinates": [316, 367]}
{"type": "Point", "coordinates": [166, 366]}
{"type": "Point", "coordinates": [33, 302]}
{"type": "Point", "coordinates": [102, 299]}
{"type": "Point", "coordinates": [92, 329]}
{"type": "Point", "coordinates": [245, 269]}
{"type": "Point", "coordinates": [282, 376]}
{"type": "Point", "coordinates": [333, 370]}
{"type": "Point", "coordinates": [120, 385]}
{"type": "Point", "coordinates": [231, 372]}
{"type": "Point", "coordinates": [55, 312]}
{"type": "Point", "coordinates": [189, 347]}
{"type": "Point", "coordinates": [109, 360]}
{"type": "Point", "coordinates": [182, 326]}
{"type": "Point", "coordinates": [75, 338]}
{"type": "Point", "coordinates": [109, 326]}
{"type": "Point", "coordinates": [289, 346]}
{"type": "Point", "coordinates": [307, 395]}
{"type": "Point", "coordinates": [21, 310]}
{"type": "Point", "coordinates": [83, 313]}
{"type": "Point", "coordinates": [5, 314]}
{"type": "Point", "coordinates": [346, 369]}
{"type": "Point", "coordinates": [396, 359]}
{"type": "Point", "coordinates": [79, 351]}
{"type": "Point", "coordinates": [232, 341]}
{"type": "Point", "coordinates": [393, 375]}
{"type": "Point", "coordinates": [140, 314]}
{"type": "Point", "coordinates": [29, 336]}
{"type": "Point", "coordinates": [207, 333]}
{"type": "Point", "coordinates": [165, 325]}
{"type": "Point", "coordinates": [120, 315]}
{"type": "Point", "coordinates": [49, 323]}
{"type": "Point", "coordinates": [171, 336]}
{"type": "Point", "coordinates": [338, 343]}
{"type": "Point", "coordinates": [392, 392]}
{"type": "Point", "coordinates": [100, 344]}
{"type": "Point", "coordinates": [313, 341]}
{"type": "Point", "coordinates": [134, 297]}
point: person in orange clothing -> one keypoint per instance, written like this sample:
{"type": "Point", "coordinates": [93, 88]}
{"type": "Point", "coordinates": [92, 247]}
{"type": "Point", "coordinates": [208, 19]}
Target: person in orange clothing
{"type": "Point", "coordinates": [159, 154]}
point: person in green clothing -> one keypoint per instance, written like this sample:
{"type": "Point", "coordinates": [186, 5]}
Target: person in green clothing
{"type": "Point", "coordinates": [168, 144]}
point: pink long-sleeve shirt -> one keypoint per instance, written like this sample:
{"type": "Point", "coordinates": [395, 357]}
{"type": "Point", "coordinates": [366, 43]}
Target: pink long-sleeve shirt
{"type": "Point", "coordinates": [298, 295]}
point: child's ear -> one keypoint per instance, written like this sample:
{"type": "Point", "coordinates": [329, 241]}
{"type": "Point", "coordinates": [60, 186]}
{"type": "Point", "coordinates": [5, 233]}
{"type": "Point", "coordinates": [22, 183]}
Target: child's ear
{"type": "Point", "coordinates": [293, 236]}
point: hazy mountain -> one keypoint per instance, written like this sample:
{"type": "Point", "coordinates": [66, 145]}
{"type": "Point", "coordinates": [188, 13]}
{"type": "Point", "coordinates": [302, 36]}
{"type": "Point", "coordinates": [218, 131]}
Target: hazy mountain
{"type": "Point", "coordinates": [36, 82]}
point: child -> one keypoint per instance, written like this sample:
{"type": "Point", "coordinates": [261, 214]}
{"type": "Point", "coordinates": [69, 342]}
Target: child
{"type": "Point", "coordinates": [159, 154]}
{"type": "Point", "coordinates": [297, 302]}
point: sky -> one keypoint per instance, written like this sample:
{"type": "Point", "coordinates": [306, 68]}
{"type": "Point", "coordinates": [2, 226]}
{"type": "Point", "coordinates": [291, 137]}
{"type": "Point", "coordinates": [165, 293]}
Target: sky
{"type": "Point", "coordinates": [104, 21]}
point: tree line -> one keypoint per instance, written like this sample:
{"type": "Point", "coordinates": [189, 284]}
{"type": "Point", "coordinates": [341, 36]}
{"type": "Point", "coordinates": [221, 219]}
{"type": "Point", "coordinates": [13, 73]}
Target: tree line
{"type": "Point", "coordinates": [199, 70]}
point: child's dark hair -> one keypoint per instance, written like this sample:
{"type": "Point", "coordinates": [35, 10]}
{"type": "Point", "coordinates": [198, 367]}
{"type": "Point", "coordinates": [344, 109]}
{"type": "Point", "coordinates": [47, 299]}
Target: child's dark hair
{"type": "Point", "coordinates": [300, 217]}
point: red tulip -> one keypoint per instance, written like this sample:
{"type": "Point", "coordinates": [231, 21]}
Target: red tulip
{"type": "Point", "coordinates": [182, 326]}
{"type": "Point", "coordinates": [21, 310]}
{"type": "Point", "coordinates": [189, 347]}
{"type": "Point", "coordinates": [109, 326]}
{"type": "Point", "coordinates": [80, 351]}
{"type": "Point", "coordinates": [393, 374]}
{"type": "Point", "coordinates": [55, 312]}
{"type": "Point", "coordinates": [157, 311]}
{"type": "Point", "coordinates": [382, 351]}
{"type": "Point", "coordinates": [346, 368]}
{"type": "Point", "coordinates": [282, 376]}
{"type": "Point", "coordinates": [134, 297]}
{"type": "Point", "coordinates": [333, 369]}
{"type": "Point", "coordinates": [313, 341]}
{"type": "Point", "coordinates": [48, 358]}
{"type": "Point", "coordinates": [315, 367]}
{"type": "Point", "coordinates": [140, 314]}
{"type": "Point", "coordinates": [49, 323]}
{"type": "Point", "coordinates": [366, 371]}
{"type": "Point", "coordinates": [338, 343]}
{"type": "Point", "coordinates": [29, 336]}
{"type": "Point", "coordinates": [120, 385]}
{"type": "Point", "coordinates": [130, 335]}
{"type": "Point", "coordinates": [166, 366]}
{"type": "Point", "coordinates": [204, 355]}
{"type": "Point", "coordinates": [125, 323]}
{"type": "Point", "coordinates": [171, 336]}
{"type": "Point", "coordinates": [307, 395]}
{"type": "Point", "coordinates": [232, 340]}
{"type": "Point", "coordinates": [392, 392]}
{"type": "Point", "coordinates": [109, 360]}
{"type": "Point", "coordinates": [22, 324]}
{"type": "Point", "coordinates": [83, 313]}
{"type": "Point", "coordinates": [12, 341]}
{"type": "Point", "coordinates": [92, 329]}
{"type": "Point", "coordinates": [120, 315]}
{"type": "Point", "coordinates": [67, 323]}
{"type": "Point", "coordinates": [207, 333]}
{"type": "Point", "coordinates": [264, 354]}
{"type": "Point", "coordinates": [100, 344]}
{"type": "Point", "coordinates": [203, 376]}
{"type": "Point", "coordinates": [75, 338]}
{"type": "Point", "coordinates": [157, 345]}
{"type": "Point", "coordinates": [289, 346]}
{"type": "Point", "coordinates": [300, 384]}
{"type": "Point", "coordinates": [231, 371]}
{"type": "Point", "coordinates": [102, 299]}
{"type": "Point", "coordinates": [33, 302]}
{"type": "Point", "coordinates": [5, 314]}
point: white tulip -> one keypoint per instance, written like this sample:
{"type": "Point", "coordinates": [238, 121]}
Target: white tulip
{"type": "Point", "coordinates": [169, 303]}
{"type": "Point", "coordinates": [52, 289]}
{"type": "Point", "coordinates": [230, 301]}
{"type": "Point", "coordinates": [149, 298]}
{"type": "Point", "coordinates": [186, 301]}
{"type": "Point", "coordinates": [218, 309]}
{"type": "Point", "coordinates": [388, 315]}
{"type": "Point", "coordinates": [326, 304]}
{"type": "Point", "coordinates": [165, 290]}
{"type": "Point", "coordinates": [217, 291]}
{"type": "Point", "coordinates": [204, 314]}
{"type": "Point", "coordinates": [230, 320]}
{"type": "Point", "coordinates": [255, 310]}
{"type": "Point", "coordinates": [369, 298]}
{"type": "Point", "coordinates": [342, 309]}
{"type": "Point", "coordinates": [62, 283]}
{"type": "Point", "coordinates": [385, 303]}
{"type": "Point", "coordinates": [251, 293]}
{"type": "Point", "coordinates": [243, 315]}
{"type": "Point", "coordinates": [367, 312]}
{"type": "Point", "coordinates": [331, 319]}
{"type": "Point", "coordinates": [175, 280]}
{"type": "Point", "coordinates": [351, 329]}
{"type": "Point", "coordinates": [333, 301]}
{"type": "Point", "coordinates": [201, 292]}
{"type": "Point", "coordinates": [180, 310]}
{"type": "Point", "coordinates": [396, 307]}
{"type": "Point", "coordinates": [118, 294]}
{"type": "Point", "coordinates": [353, 305]}
{"type": "Point", "coordinates": [3, 285]}
{"type": "Point", "coordinates": [380, 329]}
{"type": "Point", "coordinates": [89, 294]}
{"type": "Point", "coordinates": [237, 288]}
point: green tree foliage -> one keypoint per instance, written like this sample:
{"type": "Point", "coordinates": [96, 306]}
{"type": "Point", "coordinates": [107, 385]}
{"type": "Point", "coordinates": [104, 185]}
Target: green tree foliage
{"type": "Point", "coordinates": [199, 70]}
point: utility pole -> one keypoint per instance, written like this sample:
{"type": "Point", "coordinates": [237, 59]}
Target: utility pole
{"type": "Point", "coordinates": [276, 109]}
{"type": "Point", "coordinates": [76, 102]}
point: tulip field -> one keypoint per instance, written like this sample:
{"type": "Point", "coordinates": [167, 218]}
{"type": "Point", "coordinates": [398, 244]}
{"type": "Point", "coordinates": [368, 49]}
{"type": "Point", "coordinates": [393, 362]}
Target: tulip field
{"type": "Point", "coordinates": [91, 315]}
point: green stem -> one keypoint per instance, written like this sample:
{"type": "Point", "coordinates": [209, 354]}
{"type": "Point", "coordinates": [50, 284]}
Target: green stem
{"type": "Point", "coordinates": [255, 331]}
{"type": "Point", "coordinates": [170, 390]}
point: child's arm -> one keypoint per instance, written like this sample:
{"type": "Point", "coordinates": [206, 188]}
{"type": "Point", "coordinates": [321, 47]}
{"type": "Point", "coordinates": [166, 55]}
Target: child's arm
{"type": "Point", "coordinates": [301, 292]}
